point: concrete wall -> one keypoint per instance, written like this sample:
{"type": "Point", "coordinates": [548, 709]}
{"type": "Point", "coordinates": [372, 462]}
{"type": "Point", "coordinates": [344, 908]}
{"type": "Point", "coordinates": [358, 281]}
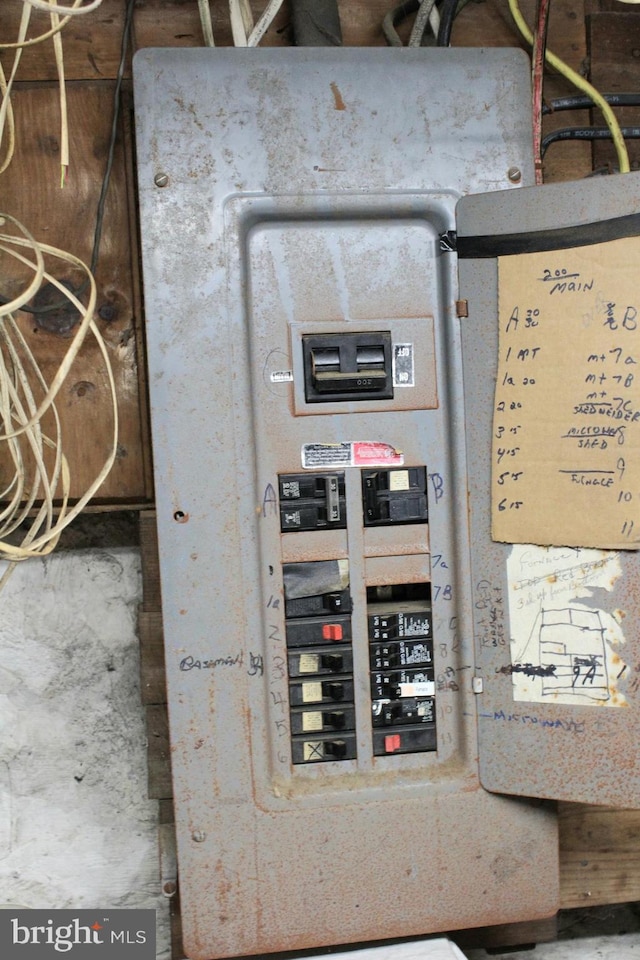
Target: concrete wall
{"type": "Point", "coordinates": [76, 827]}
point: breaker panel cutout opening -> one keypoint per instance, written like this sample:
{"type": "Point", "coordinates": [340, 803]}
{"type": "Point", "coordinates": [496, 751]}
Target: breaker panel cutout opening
{"type": "Point", "coordinates": [347, 366]}
{"type": "Point", "coordinates": [400, 627]}
{"type": "Point", "coordinates": [394, 496]}
{"type": "Point", "coordinates": [319, 661]}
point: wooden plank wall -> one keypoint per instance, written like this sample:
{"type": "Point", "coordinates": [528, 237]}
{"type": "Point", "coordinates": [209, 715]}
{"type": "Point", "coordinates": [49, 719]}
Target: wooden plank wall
{"type": "Point", "coordinates": [30, 189]}
{"type": "Point", "coordinates": [600, 847]}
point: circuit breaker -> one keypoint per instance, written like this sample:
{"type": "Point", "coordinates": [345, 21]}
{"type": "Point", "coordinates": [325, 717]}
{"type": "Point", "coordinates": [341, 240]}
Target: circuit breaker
{"type": "Point", "coordinates": [324, 595]}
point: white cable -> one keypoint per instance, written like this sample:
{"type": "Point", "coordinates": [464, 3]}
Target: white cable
{"type": "Point", "coordinates": [74, 10]}
{"type": "Point", "coordinates": [31, 431]}
{"type": "Point", "coordinates": [205, 21]}
{"type": "Point", "coordinates": [238, 30]}
{"type": "Point", "coordinates": [247, 15]}
{"type": "Point", "coordinates": [6, 109]}
{"type": "Point", "coordinates": [264, 22]}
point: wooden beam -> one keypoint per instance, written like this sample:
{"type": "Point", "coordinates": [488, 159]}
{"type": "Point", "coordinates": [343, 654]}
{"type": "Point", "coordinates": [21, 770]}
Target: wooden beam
{"type": "Point", "coordinates": [66, 218]}
{"type": "Point", "coordinates": [599, 855]}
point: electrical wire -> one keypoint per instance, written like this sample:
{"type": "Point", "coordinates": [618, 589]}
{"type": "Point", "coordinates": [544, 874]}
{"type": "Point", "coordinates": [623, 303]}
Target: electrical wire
{"type": "Point", "coordinates": [35, 502]}
{"type": "Point", "coordinates": [245, 32]}
{"type": "Point", "coordinates": [448, 12]}
{"type": "Point", "coordinates": [6, 108]}
{"type": "Point", "coordinates": [427, 15]}
{"type": "Point", "coordinates": [64, 122]}
{"type": "Point", "coordinates": [585, 103]}
{"type": "Point", "coordinates": [396, 16]}
{"type": "Point", "coordinates": [586, 133]}
{"type": "Point", "coordinates": [239, 30]}
{"type": "Point", "coordinates": [124, 45]}
{"type": "Point", "coordinates": [30, 423]}
{"type": "Point", "coordinates": [54, 9]}
{"type": "Point", "coordinates": [76, 7]}
{"type": "Point", "coordinates": [579, 82]}
{"type": "Point", "coordinates": [68, 12]}
{"type": "Point", "coordinates": [264, 22]}
{"type": "Point", "coordinates": [205, 20]}
{"type": "Point", "coordinates": [106, 179]}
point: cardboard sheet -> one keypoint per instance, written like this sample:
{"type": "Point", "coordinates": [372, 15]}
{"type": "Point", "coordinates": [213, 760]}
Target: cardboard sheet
{"type": "Point", "coordinates": [566, 426]}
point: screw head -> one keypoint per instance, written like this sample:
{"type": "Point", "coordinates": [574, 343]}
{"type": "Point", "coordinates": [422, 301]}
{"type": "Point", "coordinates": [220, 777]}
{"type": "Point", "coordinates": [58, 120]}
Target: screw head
{"type": "Point", "coordinates": [514, 174]}
{"type": "Point", "coordinates": [161, 179]}
{"type": "Point", "coordinates": [198, 836]}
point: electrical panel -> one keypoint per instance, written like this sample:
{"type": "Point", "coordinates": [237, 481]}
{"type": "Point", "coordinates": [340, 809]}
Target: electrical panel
{"type": "Point", "coordinates": [322, 591]}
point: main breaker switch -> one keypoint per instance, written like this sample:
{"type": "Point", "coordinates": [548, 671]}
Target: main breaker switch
{"type": "Point", "coordinates": [347, 366]}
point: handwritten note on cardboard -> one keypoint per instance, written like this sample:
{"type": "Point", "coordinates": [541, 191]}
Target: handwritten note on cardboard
{"type": "Point", "coordinates": [566, 424]}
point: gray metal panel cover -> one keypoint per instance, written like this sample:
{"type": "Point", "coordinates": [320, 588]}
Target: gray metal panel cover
{"type": "Point", "coordinates": [307, 190]}
{"type": "Point", "coordinates": [581, 753]}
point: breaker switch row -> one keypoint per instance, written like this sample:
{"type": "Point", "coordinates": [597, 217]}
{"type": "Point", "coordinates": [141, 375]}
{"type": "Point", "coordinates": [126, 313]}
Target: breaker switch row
{"type": "Point", "coordinates": [402, 680]}
{"type": "Point", "coordinates": [319, 661]}
{"type": "Point", "coordinates": [316, 501]}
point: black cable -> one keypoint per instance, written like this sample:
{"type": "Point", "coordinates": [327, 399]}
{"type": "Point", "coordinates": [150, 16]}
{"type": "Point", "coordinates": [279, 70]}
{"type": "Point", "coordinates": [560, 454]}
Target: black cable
{"type": "Point", "coordinates": [126, 30]}
{"type": "Point", "coordinates": [539, 241]}
{"type": "Point", "coordinates": [97, 235]}
{"type": "Point", "coordinates": [396, 16]}
{"type": "Point", "coordinates": [316, 23]}
{"type": "Point", "coordinates": [581, 102]}
{"type": "Point", "coordinates": [587, 133]}
{"type": "Point", "coordinates": [447, 16]}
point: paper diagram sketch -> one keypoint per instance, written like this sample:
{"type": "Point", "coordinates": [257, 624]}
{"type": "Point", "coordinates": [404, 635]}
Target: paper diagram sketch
{"type": "Point", "coordinates": [567, 651]}
{"type": "Point", "coordinates": [563, 648]}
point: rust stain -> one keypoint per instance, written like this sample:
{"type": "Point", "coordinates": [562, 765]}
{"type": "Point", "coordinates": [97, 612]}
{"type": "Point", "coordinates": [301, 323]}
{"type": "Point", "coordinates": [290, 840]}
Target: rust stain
{"type": "Point", "coordinates": [338, 102]}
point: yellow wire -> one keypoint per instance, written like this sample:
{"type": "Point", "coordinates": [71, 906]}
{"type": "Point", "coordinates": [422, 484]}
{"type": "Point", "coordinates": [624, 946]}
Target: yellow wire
{"type": "Point", "coordinates": [574, 77]}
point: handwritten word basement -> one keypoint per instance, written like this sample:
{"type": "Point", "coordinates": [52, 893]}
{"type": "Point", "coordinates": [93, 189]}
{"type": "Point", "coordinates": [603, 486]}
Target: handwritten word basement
{"type": "Point", "coordinates": [566, 420]}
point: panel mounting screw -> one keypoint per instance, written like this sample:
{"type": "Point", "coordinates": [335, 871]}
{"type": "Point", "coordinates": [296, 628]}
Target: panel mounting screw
{"type": "Point", "coordinates": [514, 174]}
{"type": "Point", "coordinates": [198, 836]}
{"type": "Point", "coordinates": [161, 179]}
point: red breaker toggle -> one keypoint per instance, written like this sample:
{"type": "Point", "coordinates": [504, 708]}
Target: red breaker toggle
{"type": "Point", "coordinates": [332, 631]}
{"type": "Point", "coordinates": [392, 742]}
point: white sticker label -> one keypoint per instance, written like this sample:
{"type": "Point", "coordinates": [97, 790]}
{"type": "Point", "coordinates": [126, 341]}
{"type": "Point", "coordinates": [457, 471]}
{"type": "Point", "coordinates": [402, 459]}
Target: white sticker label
{"type": "Point", "coordinates": [281, 376]}
{"type": "Point", "coordinates": [399, 480]}
{"type": "Point", "coordinates": [565, 648]}
{"type": "Point", "coordinates": [311, 692]}
{"type": "Point", "coordinates": [312, 721]}
{"type": "Point", "coordinates": [360, 453]}
{"type": "Point", "coordinates": [313, 750]}
{"type": "Point", "coordinates": [309, 663]}
{"type": "Point", "coordinates": [426, 688]}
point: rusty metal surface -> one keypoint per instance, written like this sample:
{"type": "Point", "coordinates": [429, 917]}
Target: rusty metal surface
{"type": "Point", "coordinates": [584, 753]}
{"type": "Point", "coordinates": [306, 191]}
